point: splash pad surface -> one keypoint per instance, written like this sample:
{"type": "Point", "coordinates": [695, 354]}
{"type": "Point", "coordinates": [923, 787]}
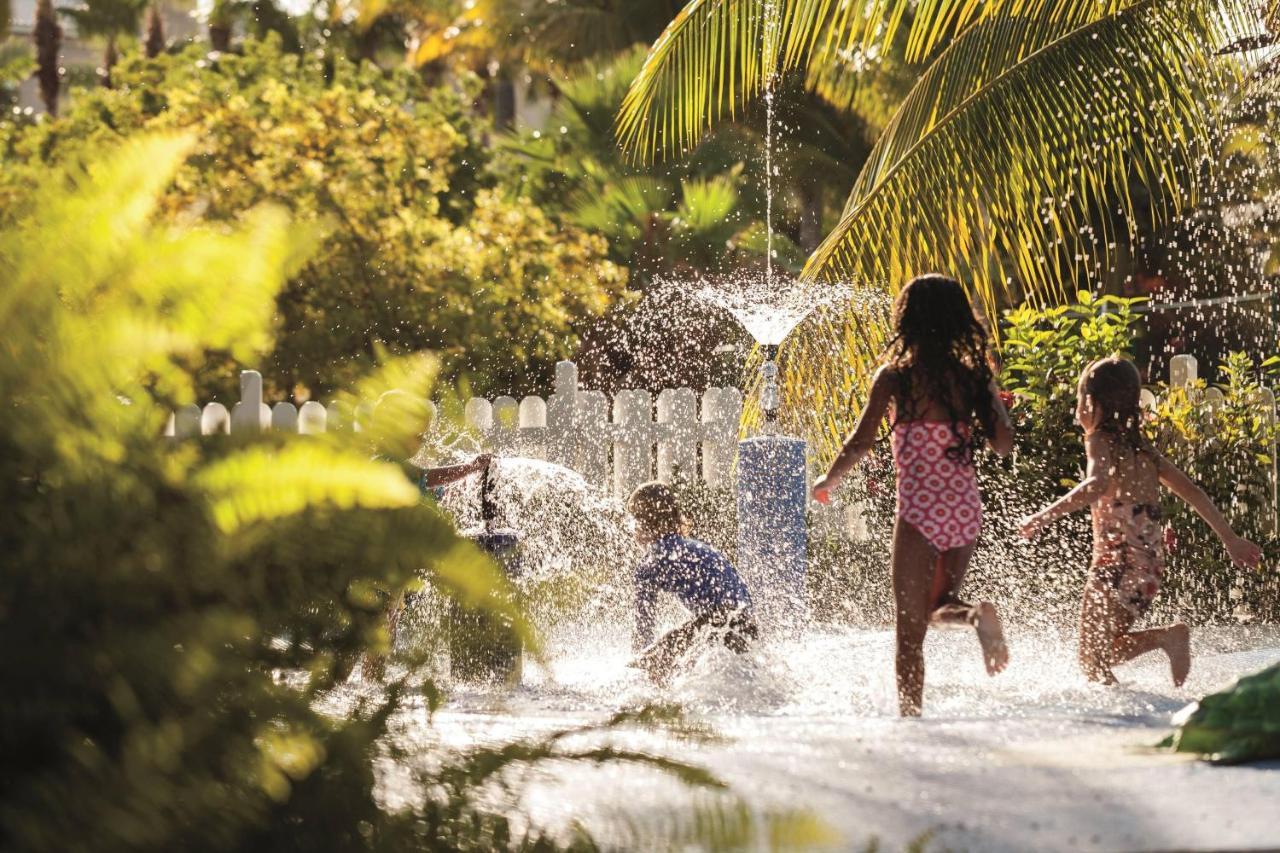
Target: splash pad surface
{"type": "Point", "coordinates": [1034, 759]}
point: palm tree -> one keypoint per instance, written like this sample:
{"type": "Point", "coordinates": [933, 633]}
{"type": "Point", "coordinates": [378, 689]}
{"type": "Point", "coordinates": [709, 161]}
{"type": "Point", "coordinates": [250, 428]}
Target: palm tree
{"type": "Point", "coordinates": [109, 20]}
{"type": "Point", "coordinates": [153, 43]}
{"type": "Point", "coordinates": [1010, 162]}
{"type": "Point", "coordinates": [222, 15]}
{"type": "Point", "coordinates": [47, 35]}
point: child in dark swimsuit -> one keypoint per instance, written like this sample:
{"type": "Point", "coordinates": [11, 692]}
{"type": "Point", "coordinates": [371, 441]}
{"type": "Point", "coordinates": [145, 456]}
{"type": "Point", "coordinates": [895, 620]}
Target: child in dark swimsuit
{"type": "Point", "coordinates": [700, 576]}
{"type": "Point", "coordinates": [937, 383]}
{"type": "Point", "coordinates": [1122, 488]}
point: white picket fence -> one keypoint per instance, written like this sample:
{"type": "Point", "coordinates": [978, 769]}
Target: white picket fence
{"type": "Point", "coordinates": [618, 443]}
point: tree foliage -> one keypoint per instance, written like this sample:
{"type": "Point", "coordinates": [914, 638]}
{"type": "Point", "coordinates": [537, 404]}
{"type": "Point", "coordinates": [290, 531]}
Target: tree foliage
{"type": "Point", "coordinates": [421, 251]}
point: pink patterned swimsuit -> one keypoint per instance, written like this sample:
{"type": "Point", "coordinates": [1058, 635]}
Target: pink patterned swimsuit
{"type": "Point", "coordinates": [936, 495]}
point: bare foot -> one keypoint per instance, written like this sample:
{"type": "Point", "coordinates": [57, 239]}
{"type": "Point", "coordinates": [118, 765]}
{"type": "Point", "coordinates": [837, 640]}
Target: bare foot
{"type": "Point", "coordinates": [1177, 646]}
{"type": "Point", "coordinates": [1102, 675]}
{"type": "Point", "coordinates": [994, 651]}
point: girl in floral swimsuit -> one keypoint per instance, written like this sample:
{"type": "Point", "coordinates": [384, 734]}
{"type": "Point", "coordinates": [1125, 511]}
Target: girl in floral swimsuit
{"type": "Point", "coordinates": [1122, 487]}
{"type": "Point", "coordinates": [936, 384]}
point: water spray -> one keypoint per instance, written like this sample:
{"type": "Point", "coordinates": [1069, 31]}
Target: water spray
{"type": "Point", "coordinates": [770, 394]}
{"type": "Point", "coordinates": [484, 647]}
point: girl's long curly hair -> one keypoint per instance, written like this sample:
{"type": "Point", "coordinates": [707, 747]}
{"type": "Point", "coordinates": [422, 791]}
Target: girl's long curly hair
{"type": "Point", "coordinates": [941, 352]}
{"type": "Point", "coordinates": [1114, 386]}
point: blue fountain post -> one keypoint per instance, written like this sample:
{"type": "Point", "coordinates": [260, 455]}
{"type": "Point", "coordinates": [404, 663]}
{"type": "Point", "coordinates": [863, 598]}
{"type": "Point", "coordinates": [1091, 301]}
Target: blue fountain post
{"type": "Point", "coordinates": [772, 535]}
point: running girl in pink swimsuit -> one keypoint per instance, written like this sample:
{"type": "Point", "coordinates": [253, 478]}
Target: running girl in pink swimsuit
{"type": "Point", "coordinates": [1122, 487]}
{"type": "Point", "coordinates": [936, 385]}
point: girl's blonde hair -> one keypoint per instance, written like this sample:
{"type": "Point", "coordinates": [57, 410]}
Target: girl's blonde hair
{"type": "Point", "coordinates": [1114, 387]}
{"type": "Point", "coordinates": [656, 509]}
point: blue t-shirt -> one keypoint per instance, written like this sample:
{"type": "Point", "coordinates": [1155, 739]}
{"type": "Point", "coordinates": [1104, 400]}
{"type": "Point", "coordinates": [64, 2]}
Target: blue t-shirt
{"type": "Point", "coordinates": [700, 576]}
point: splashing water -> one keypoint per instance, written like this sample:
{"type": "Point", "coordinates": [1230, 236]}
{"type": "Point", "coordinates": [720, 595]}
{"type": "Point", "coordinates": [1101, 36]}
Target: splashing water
{"type": "Point", "coordinates": [769, 310]}
{"type": "Point", "coordinates": [772, 26]}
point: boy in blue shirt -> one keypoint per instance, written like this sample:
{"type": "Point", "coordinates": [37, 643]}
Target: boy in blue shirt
{"type": "Point", "coordinates": [700, 576]}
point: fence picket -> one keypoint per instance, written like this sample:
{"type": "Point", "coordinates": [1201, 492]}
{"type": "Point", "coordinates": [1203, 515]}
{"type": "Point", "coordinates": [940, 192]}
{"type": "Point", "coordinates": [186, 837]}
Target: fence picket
{"type": "Point", "coordinates": [678, 433]}
{"type": "Point", "coordinates": [215, 420]}
{"type": "Point", "coordinates": [506, 421]}
{"type": "Point", "coordinates": [594, 437]}
{"type": "Point", "coordinates": [633, 448]}
{"type": "Point", "coordinates": [721, 414]}
{"type": "Point", "coordinates": [186, 421]}
{"type": "Point", "coordinates": [312, 418]}
{"type": "Point", "coordinates": [284, 417]}
{"type": "Point", "coordinates": [533, 428]}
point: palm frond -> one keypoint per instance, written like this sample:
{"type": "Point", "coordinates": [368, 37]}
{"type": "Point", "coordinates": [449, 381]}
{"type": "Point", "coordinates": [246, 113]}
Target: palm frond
{"type": "Point", "coordinates": [623, 206]}
{"type": "Point", "coordinates": [707, 203]}
{"type": "Point", "coordinates": [715, 55]}
{"type": "Point", "coordinates": [1000, 160]}
{"type": "Point", "coordinates": [718, 54]}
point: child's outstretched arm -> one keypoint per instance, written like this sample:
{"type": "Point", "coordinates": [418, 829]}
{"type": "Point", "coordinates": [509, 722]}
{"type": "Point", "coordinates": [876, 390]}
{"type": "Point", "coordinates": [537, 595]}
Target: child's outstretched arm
{"type": "Point", "coordinates": [863, 437]}
{"type": "Point", "coordinates": [1095, 484]}
{"type": "Point", "coordinates": [1002, 441]}
{"type": "Point", "coordinates": [446, 474]}
{"type": "Point", "coordinates": [1242, 551]}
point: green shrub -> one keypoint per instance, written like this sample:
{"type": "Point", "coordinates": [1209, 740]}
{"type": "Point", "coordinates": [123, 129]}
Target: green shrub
{"type": "Point", "coordinates": [1228, 449]}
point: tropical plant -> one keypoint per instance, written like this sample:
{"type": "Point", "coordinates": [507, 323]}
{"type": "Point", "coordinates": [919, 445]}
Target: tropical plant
{"type": "Point", "coordinates": [416, 223]}
{"type": "Point", "coordinates": [664, 225]}
{"type": "Point", "coordinates": [564, 33]}
{"type": "Point", "coordinates": [110, 21]}
{"type": "Point", "coordinates": [158, 586]}
{"type": "Point", "coordinates": [1044, 353]}
{"type": "Point", "coordinates": [1010, 161]}
{"type": "Point", "coordinates": [1225, 438]}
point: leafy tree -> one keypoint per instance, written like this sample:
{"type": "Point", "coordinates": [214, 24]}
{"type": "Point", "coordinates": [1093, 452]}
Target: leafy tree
{"type": "Point", "coordinates": [421, 250]}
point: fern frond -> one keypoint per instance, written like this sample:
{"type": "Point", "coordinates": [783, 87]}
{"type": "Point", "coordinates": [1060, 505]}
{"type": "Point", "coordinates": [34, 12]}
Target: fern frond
{"type": "Point", "coordinates": [265, 484]}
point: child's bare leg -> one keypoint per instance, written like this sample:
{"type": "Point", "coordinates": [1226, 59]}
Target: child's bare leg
{"type": "Point", "coordinates": [1097, 632]}
{"type": "Point", "coordinates": [913, 562]}
{"type": "Point", "coordinates": [1174, 639]}
{"type": "Point", "coordinates": [949, 609]}
{"type": "Point", "coordinates": [375, 665]}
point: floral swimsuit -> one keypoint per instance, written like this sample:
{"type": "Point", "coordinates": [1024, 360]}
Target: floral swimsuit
{"type": "Point", "coordinates": [1128, 551]}
{"type": "Point", "coordinates": [937, 495]}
